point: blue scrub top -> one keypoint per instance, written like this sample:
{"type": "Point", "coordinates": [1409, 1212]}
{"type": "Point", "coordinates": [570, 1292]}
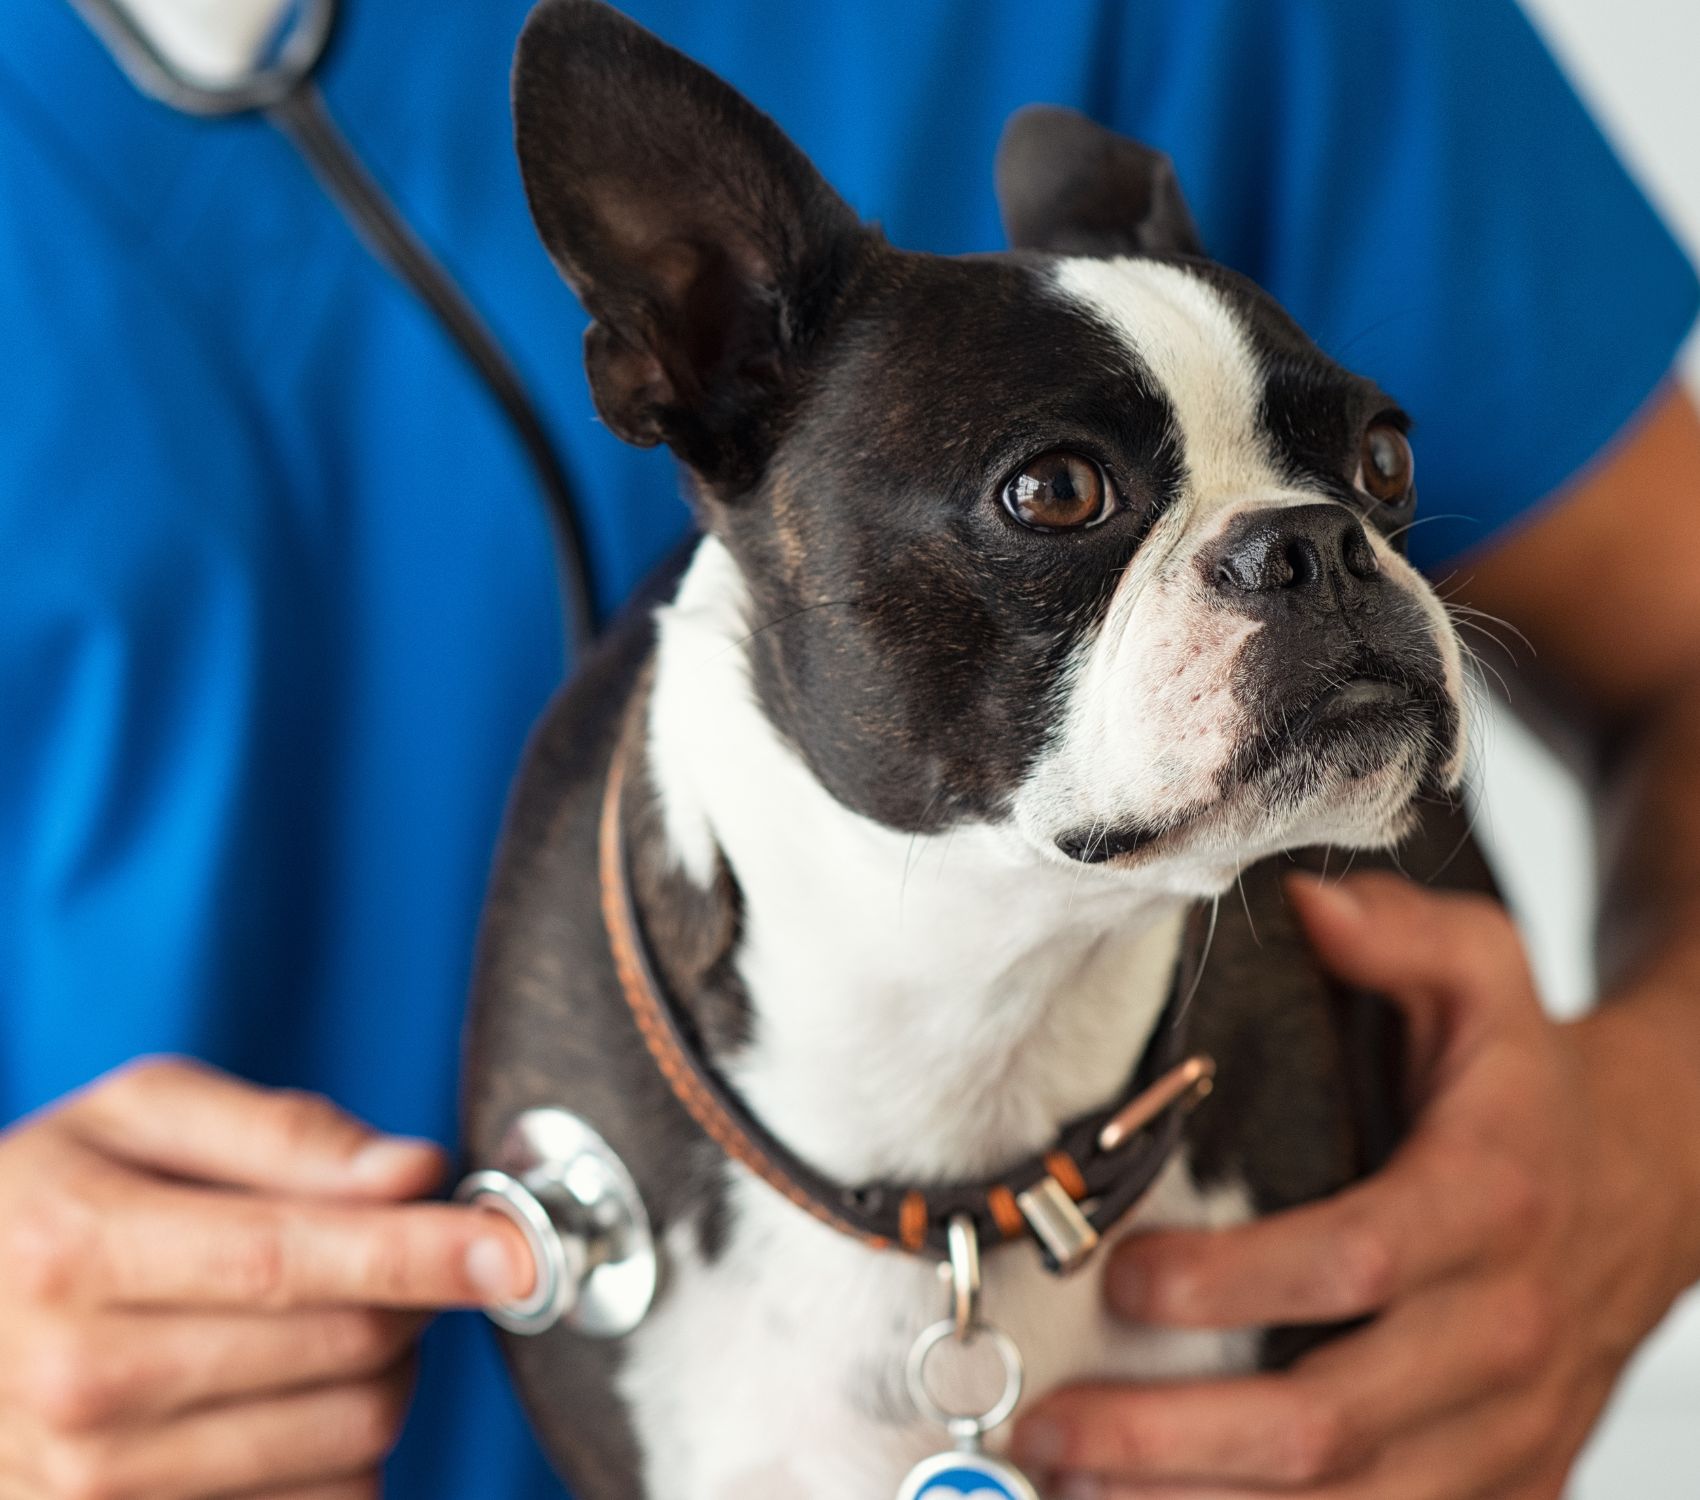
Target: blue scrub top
{"type": "Point", "coordinates": [278, 607]}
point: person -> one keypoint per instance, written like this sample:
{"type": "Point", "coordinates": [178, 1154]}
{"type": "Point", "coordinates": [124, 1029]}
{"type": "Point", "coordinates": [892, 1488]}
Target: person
{"type": "Point", "coordinates": [280, 607]}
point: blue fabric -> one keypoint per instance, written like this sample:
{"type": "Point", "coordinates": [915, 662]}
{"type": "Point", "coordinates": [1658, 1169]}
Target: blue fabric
{"type": "Point", "coordinates": [278, 604]}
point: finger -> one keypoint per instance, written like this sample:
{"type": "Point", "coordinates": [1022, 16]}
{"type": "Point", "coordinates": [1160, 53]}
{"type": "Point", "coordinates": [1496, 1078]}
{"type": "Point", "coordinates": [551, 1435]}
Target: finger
{"type": "Point", "coordinates": [1418, 946]}
{"type": "Point", "coordinates": [335, 1434]}
{"type": "Point", "coordinates": [1482, 1451]}
{"type": "Point", "coordinates": [186, 1120]}
{"type": "Point", "coordinates": [1423, 1217]}
{"type": "Point", "coordinates": [1319, 1423]}
{"type": "Point", "coordinates": [132, 1367]}
{"type": "Point", "coordinates": [1249, 1430]}
{"type": "Point", "coordinates": [170, 1246]}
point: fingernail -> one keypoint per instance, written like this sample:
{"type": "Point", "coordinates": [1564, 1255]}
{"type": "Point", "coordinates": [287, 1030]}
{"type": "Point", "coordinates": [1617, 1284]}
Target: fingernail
{"type": "Point", "coordinates": [491, 1270]}
{"type": "Point", "coordinates": [1039, 1442]}
{"type": "Point", "coordinates": [1080, 1487]}
{"type": "Point", "coordinates": [385, 1161]}
{"type": "Point", "coordinates": [1340, 901]}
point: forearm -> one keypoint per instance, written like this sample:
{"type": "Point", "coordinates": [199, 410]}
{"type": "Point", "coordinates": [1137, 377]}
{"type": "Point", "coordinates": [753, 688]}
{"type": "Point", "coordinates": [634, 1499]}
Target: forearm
{"type": "Point", "coordinates": [1602, 592]}
{"type": "Point", "coordinates": [1649, 839]}
{"type": "Point", "coordinates": [1644, 1039]}
{"type": "Point", "coordinates": [1604, 587]}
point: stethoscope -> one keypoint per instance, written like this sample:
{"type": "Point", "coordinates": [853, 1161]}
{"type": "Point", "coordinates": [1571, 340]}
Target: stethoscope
{"type": "Point", "coordinates": [281, 88]}
{"type": "Point", "coordinates": [554, 1176]}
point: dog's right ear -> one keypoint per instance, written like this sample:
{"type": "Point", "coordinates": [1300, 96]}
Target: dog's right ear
{"type": "Point", "coordinates": [703, 243]}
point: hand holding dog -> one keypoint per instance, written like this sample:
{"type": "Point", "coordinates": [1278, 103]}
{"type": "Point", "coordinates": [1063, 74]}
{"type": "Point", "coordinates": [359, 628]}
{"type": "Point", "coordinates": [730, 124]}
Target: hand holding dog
{"type": "Point", "coordinates": [1539, 1222]}
{"type": "Point", "coordinates": [210, 1288]}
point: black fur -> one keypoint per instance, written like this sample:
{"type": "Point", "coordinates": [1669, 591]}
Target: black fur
{"type": "Point", "coordinates": [1067, 185]}
{"type": "Point", "coordinates": [908, 635]}
{"type": "Point", "coordinates": [850, 413]}
{"type": "Point", "coordinates": [704, 245]}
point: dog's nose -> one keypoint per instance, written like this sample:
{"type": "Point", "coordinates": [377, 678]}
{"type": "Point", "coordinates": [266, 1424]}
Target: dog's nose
{"type": "Point", "coordinates": [1308, 549]}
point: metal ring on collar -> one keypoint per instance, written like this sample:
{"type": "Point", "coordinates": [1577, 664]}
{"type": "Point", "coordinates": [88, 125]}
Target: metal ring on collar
{"type": "Point", "coordinates": [964, 1426]}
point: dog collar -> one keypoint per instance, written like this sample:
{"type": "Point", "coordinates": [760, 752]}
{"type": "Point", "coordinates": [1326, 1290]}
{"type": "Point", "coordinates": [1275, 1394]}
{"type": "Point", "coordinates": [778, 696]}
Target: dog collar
{"type": "Point", "coordinates": [1067, 1197]}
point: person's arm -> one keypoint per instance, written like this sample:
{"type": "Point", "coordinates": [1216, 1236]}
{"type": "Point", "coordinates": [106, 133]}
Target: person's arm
{"type": "Point", "coordinates": [1605, 585]}
{"type": "Point", "coordinates": [1546, 1210]}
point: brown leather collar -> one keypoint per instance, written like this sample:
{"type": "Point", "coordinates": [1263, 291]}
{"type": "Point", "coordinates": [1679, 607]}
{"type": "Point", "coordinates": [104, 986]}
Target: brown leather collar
{"type": "Point", "coordinates": [1099, 1167]}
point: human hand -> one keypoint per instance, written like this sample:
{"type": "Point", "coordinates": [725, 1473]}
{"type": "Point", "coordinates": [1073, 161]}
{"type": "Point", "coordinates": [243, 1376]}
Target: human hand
{"type": "Point", "coordinates": [210, 1288]}
{"type": "Point", "coordinates": [1540, 1220]}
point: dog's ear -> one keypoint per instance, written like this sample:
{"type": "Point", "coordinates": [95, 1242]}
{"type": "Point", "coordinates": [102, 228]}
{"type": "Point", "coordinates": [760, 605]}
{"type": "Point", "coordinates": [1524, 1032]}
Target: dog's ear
{"type": "Point", "coordinates": [705, 246]}
{"type": "Point", "coordinates": [1068, 185]}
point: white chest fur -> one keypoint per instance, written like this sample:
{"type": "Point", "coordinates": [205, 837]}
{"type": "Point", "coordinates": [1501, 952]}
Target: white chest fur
{"type": "Point", "coordinates": [776, 1372]}
{"type": "Point", "coordinates": [921, 1006]}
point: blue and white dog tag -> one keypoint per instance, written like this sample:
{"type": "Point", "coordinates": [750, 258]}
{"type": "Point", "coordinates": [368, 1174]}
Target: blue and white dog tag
{"type": "Point", "coordinates": [965, 1476]}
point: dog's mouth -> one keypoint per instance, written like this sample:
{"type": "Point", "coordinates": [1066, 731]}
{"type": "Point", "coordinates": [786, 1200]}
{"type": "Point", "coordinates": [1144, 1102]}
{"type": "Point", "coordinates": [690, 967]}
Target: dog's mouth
{"type": "Point", "coordinates": [1354, 722]}
{"type": "Point", "coordinates": [1098, 845]}
{"type": "Point", "coordinates": [1372, 715]}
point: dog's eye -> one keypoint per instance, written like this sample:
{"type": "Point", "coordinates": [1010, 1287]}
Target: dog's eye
{"type": "Point", "coordinates": [1386, 466]}
{"type": "Point", "coordinates": [1060, 491]}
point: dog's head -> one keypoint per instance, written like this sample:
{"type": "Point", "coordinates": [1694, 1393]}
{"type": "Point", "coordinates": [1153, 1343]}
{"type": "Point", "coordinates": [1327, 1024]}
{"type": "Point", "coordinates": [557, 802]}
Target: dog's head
{"type": "Point", "coordinates": [1087, 539]}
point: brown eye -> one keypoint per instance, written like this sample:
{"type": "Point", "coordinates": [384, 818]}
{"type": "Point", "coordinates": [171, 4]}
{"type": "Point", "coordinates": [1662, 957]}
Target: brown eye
{"type": "Point", "coordinates": [1060, 491]}
{"type": "Point", "coordinates": [1386, 466]}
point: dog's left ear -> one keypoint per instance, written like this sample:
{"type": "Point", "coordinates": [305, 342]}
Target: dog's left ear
{"type": "Point", "coordinates": [1068, 185]}
{"type": "Point", "coordinates": [703, 243]}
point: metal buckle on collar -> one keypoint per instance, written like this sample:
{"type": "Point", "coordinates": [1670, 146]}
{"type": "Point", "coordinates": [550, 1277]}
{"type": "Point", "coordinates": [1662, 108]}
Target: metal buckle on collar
{"type": "Point", "coordinates": [1183, 1087]}
{"type": "Point", "coordinates": [1057, 1220]}
{"type": "Point", "coordinates": [963, 1272]}
{"type": "Point", "coordinates": [1058, 1224]}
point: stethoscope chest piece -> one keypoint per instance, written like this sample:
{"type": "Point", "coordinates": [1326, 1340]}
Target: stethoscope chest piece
{"type": "Point", "coordinates": [583, 1217]}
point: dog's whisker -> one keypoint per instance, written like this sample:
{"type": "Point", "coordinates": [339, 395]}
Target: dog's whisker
{"type": "Point", "coordinates": [779, 620]}
{"type": "Point", "coordinates": [1250, 921]}
{"type": "Point", "coordinates": [1409, 526]}
{"type": "Point", "coordinates": [1482, 619]}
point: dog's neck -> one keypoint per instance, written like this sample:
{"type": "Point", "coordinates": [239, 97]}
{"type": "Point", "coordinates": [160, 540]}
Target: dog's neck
{"type": "Point", "coordinates": [921, 1006]}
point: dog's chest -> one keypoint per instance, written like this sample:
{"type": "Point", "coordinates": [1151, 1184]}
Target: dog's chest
{"type": "Point", "coordinates": [923, 1008]}
{"type": "Point", "coordinates": [775, 1370]}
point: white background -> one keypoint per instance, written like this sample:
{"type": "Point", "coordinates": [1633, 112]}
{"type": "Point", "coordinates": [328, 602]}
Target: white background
{"type": "Point", "coordinates": [1636, 63]}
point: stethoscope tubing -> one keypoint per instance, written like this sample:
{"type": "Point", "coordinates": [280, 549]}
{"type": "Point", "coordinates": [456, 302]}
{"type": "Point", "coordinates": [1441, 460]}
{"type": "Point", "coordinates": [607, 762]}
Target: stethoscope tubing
{"type": "Point", "coordinates": [284, 92]}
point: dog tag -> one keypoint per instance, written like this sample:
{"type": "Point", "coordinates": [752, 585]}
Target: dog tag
{"type": "Point", "coordinates": [966, 1473]}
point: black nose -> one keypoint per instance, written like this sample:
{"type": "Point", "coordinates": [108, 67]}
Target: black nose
{"type": "Point", "coordinates": [1309, 549]}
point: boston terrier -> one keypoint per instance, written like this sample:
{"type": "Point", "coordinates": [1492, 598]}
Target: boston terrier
{"type": "Point", "coordinates": [1040, 597]}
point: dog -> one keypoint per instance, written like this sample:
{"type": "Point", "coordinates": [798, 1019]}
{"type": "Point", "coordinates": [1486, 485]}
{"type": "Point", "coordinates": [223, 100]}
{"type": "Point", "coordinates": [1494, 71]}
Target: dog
{"type": "Point", "coordinates": [1040, 596]}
